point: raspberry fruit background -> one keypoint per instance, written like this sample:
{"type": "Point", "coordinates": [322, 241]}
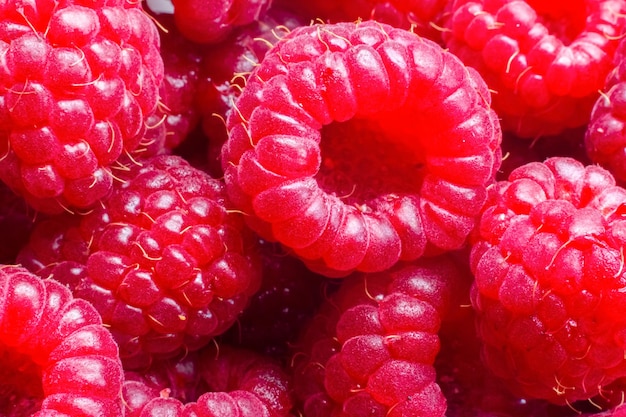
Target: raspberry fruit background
{"type": "Point", "coordinates": [287, 208]}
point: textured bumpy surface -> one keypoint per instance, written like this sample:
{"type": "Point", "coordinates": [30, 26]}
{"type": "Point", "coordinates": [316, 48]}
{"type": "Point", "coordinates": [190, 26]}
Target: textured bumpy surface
{"type": "Point", "coordinates": [550, 283]}
{"type": "Point", "coordinates": [605, 139]}
{"type": "Point", "coordinates": [370, 349]}
{"type": "Point", "coordinates": [77, 80]}
{"type": "Point", "coordinates": [357, 145]}
{"type": "Point", "coordinates": [223, 382]}
{"type": "Point", "coordinates": [545, 60]}
{"type": "Point", "coordinates": [164, 261]}
{"type": "Point", "coordinates": [57, 359]}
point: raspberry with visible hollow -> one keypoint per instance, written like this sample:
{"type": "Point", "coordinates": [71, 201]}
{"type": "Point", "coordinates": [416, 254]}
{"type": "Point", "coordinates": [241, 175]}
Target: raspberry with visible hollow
{"type": "Point", "coordinates": [77, 81]}
{"type": "Point", "coordinates": [321, 158]}
{"type": "Point", "coordinates": [545, 61]}
{"type": "Point", "coordinates": [548, 261]}
{"type": "Point", "coordinates": [165, 260]}
{"type": "Point", "coordinates": [56, 357]}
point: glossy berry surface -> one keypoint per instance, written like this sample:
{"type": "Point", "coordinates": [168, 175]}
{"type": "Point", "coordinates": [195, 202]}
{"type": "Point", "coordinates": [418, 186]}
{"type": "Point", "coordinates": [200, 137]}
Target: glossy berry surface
{"type": "Point", "coordinates": [77, 81]}
{"type": "Point", "coordinates": [330, 169]}
{"type": "Point", "coordinates": [163, 259]}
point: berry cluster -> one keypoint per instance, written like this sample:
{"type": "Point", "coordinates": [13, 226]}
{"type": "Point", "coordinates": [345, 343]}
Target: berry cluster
{"type": "Point", "coordinates": [253, 208]}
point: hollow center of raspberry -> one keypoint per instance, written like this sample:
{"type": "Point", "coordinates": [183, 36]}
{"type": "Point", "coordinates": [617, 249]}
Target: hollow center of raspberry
{"type": "Point", "coordinates": [21, 392]}
{"type": "Point", "coordinates": [565, 20]}
{"type": "Point", "coordinates": [362, 162]}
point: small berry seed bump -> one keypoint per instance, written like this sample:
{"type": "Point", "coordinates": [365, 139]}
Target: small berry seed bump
{"type": "Point", "coordinates": [356, 145]}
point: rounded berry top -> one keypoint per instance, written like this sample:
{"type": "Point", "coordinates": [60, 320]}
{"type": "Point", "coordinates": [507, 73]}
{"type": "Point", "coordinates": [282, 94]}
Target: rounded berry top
{"type": "Point", "coordinates": [548, 260]}
{"type": "Point", "coordinates": [357, 145]}
{"type": "Point", "coordinates": [77, 80]}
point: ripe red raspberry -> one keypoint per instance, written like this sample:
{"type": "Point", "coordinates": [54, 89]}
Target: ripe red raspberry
{"type": "Point", "coordinates": [210, 21]}
{"type": "Point", "coordinates": [77, 80]}
{"type": "Point", "coordinates": [322, 158]}
{"type": "Point", "coordinates": [221, 382]}
{"type": "Point", "coordinates": [56, 357]}
{"type": "Point", "coordinates": [370, 349]}
{"type": "Point", "coordinates": [605, 139]}
{"type": "Point", "coordinates": [225, 68]}
{"type": "Point", "coordinates": [548, 260]}
{"type": "Point", "coordinates": [545, 61]}
{"type": "Point", "coordinates": [164, 260]}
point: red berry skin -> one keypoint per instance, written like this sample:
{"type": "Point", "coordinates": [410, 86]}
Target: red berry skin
{"type": "Point", "coordinates": [548, 262]}
{"type": "Point", "coordinates": [373, 343]}
{"type": "Point", "coordinates": [223, 381]}
{"type": "Point", "coordinates": [77, 82]}
{"type": "Point", "coordinates": [605, 138]}
{"type": "Point", "coordinates": [165, 261]}
{"type": "Point", "coordinates": [57, 357]}
{"type": "Point", "coordinates": [405, 190]}
{"type": "Point", "coordinates": [205, 21]}
{"type": "Point", "coordinates": [545, 61]}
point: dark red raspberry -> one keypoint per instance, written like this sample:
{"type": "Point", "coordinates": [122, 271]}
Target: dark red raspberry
{"type": "Point", "coordinates": [423, 17]}
{"type": "Point", "coordinates": [605, 139]}
{"type": "Point", "coordinates": [77, 81]}
{"type": "Point", "coordinates": [222, 382]}
{"type": "Point", "coordinates": [545, 61]}
{"type": "Point", "coordinates": [210, 21]}
{"type": "Point", "coordinates": [370, 349]}
{"type": "Point", "coordinates": [225, 68]}
{"type": "Point", "coordinates": [164, 259]}
{"type": "Point", "coordinates": [16, 221]}
{"type": "Point", "coordinates": [56, 358]}
{"type": "Point", "coordinates": [289, 295]}
{"type": "Point", "coordinates": [548, 258]}
{"type": "Point", "coordinates": [322, 158]}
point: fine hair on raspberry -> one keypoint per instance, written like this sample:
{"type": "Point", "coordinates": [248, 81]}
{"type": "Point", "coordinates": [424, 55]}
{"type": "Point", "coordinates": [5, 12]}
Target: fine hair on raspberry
{"type": "Point", "coordinates": [356, 145]}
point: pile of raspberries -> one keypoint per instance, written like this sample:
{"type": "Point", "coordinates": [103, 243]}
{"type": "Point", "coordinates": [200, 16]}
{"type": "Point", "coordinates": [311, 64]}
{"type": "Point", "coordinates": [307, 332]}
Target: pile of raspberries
{"type": "Point", "coordinates": [327, 208]}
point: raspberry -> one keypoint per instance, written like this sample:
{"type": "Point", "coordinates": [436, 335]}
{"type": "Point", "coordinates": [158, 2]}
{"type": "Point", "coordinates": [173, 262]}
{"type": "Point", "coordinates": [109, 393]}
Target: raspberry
{"type": "Point", "coordinates": [56, 357]}
{"type": "Point", "coordinates": [549, 291]}
{"type": "Point", "coordinates": [222, 383]}
{"type": "Point", "coordinates": [77, 80]}
{"type": "Point", "coordinates": [394, 190]}
{"type": "Point", "coordinates": [210, 21]}
{"type": "Point", "coordinates": [289, 295]}
{"type": "Point", "coordinates": [545, 61]}
{"type": "Point", "coordinates": [225, 68]}
{"type": "Point", "coordinates": [420, 16]}
{"type": "Point", "coordinates": [165, 261]}
{"type": "Point", "coordinates": [605, 139]}
{"type": "Point", "coordinates": [16, 222]}
{"type": "Point", "coordinates": [372, 345]}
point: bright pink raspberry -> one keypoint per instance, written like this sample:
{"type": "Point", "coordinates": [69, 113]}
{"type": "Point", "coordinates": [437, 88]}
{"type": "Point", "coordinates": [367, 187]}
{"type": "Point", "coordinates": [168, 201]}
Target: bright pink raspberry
{"type": "Point", "coordinates": [370, 349]}
{"type": "Point", "coordinates": [164, 259]}
{"type": "Point", "coordinates": [56, 358]}
{"type": "Point", "coordinates": [322, 158]}
{"type": "Point", "coordinates": [548, 260]}
{"type": "Point", "coordinates": [210, 21]}
{"type": "Point", "coordinates": [222, 382]}
{"type": "Point", "coordinates": [77, 81]}
{"type": "Point", "coordinates": [605, 139]}
{"type": "Point", "coordinates": [544, 60]}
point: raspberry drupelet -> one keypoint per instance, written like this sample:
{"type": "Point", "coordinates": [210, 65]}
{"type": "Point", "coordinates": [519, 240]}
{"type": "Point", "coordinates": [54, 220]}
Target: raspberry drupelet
{"type": "Point", "coordinates": [544, 60]}
{"type": "Point", "coordinates": [548, 261]}
{"type": "Point", "coordinates": [356, 145]}
{"type": "Point", "coordinates": [56, 357]}
{"type": "Point", "coordinates": [165, 260]}
{"type": "Point", "coordinates": [77, 81]}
